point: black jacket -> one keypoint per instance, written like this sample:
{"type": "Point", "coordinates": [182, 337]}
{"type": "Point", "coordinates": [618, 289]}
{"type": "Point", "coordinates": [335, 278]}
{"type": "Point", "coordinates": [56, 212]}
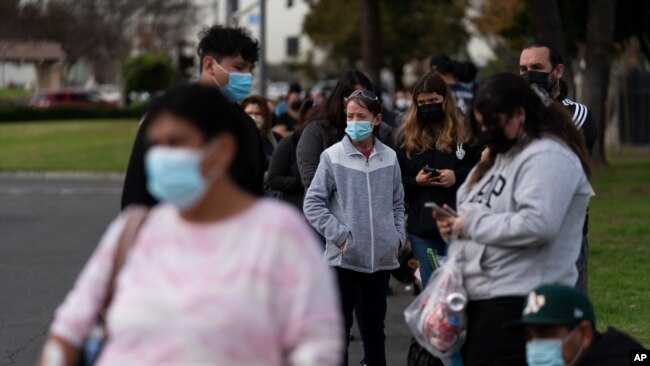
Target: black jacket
{"type": "Point", "coordinates": [420, 220]}
{"type": "Point", "coordinates": [283, 174]}
{"type": "Point", "coordinates": [247, 170]}
{"type": "Point", "coordinates": [611, 348]}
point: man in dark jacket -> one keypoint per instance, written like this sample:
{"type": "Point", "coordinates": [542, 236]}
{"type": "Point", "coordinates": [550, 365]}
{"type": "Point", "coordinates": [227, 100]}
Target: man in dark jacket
{"type": "Point", "coordinates": [560, 328]}
{"type": "Point", "coordinates": [227, 57]}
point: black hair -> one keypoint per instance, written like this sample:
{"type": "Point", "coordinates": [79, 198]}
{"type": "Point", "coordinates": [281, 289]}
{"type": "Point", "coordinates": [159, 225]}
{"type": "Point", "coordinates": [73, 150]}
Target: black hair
{"type": "Point", "coordinates": [503, 94]}
{"type": "Point", "coordinates": [465, 72]}
{"type": "Point", "coordinates": [333, 115]}
{"type": "Point", "coordinates": [554, 56]}
{"type": "Point", "coordinates": [202, 106]}
{"type": "Point", "coordinates": [442, 64]}
{"type": "Point", "coordinates": [219, 42]}
{"type": "Point", "coordinates": [294, 88]}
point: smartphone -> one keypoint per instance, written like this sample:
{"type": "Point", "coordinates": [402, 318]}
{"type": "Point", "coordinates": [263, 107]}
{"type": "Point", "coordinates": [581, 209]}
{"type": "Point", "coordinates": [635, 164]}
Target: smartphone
{"type": "Point", "coordinates": [436, 207]}
{"type": "Point", "coordinates": [433, 171]}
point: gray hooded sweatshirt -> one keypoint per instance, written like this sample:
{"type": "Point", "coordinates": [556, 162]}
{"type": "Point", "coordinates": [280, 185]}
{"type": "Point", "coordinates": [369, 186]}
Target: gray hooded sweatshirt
{"type": "Point", "coordinates": [524, 223]}
{"type": "Point", "coordinates": [349, 201]}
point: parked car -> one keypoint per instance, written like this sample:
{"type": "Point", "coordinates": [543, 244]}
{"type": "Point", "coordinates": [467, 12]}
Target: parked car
{"type": "Point", "coordinates": [109, 93]}
{"type": "Point", "coordinates": [69, 98]}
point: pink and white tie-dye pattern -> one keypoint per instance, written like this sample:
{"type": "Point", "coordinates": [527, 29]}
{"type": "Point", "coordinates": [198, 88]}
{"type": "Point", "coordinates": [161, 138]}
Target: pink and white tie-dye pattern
{"type": "Point", "coordinates": [250, 290]}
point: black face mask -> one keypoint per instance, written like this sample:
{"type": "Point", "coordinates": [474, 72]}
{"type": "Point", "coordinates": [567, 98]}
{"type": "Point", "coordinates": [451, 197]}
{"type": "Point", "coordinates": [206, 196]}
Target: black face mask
{"type": "Point", "coordinates": [431, 113]}
{"type": "Point", "coordinates": [494, 139]}
{"type": "Point", "coordinates": [539, 78]}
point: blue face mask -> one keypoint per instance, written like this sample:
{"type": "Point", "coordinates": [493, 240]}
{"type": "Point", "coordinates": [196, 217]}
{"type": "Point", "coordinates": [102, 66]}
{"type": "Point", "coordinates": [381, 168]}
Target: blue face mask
{"type": "Point", "coordinates": [358, 130]}
{"type": "Point", "coordinates": [174, 175]}
{"type": "Point", "coordinates": [238, 87]}
{"type": "Point", "coordinates": [544, 352]}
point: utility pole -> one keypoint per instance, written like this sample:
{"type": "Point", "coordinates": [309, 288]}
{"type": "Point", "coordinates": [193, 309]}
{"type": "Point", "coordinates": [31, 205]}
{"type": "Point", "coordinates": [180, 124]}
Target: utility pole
{"type": "Point", "coordinates": [231, 8]}
{"type": "Point", "coordinates": [262, 61]}
{"type": "Point", "coordinates": [371, 53]}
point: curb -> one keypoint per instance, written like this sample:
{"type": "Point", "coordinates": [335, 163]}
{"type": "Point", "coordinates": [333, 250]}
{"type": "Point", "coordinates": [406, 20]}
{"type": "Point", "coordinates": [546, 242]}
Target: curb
{"type": "Point", "coordinates": [60, 175]}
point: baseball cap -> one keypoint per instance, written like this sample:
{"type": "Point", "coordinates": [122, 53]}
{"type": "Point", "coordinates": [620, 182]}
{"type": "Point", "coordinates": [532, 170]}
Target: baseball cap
{"type": "Point", "coordinates": [441, 63]}
{"type": "Point", "coordinates": [556, 304]}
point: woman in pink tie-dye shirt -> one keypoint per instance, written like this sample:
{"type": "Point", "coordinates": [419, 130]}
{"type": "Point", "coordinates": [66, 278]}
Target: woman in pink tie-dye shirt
{"type": "Point", "coordinates": [215, 276]}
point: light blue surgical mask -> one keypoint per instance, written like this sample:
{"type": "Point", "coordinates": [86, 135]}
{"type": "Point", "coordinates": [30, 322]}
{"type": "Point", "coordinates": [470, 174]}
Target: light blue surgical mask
{"type": "Point", "coordinates": [548, 352]}
{"type": "Point", "coordinates": [238, 87]}
{"type": "Point", "coordinates": [358, 130]}
{"type": "Point", "coordinates": [544, 352]}
{"type": "Point", "coordinates": [174, 175]}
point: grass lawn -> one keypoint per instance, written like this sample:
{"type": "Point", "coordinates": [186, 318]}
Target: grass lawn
{"type": "Point", "coordinates": [99, 145]}
{"type": "Point", "coordinates": [15, 93]}
{"type": "Point", "coordinates": [619, 244]}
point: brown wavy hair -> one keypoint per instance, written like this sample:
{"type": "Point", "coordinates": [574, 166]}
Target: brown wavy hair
{"type": "Point", "coordinates": [502, 94]}
{"type": "Point", "coordinates": [264, 109]}
{"type": "Point", "coordinates": [416, 135]}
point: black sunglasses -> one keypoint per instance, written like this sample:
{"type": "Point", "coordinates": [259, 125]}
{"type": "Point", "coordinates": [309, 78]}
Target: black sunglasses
{"type": "Point", "coordinates": [363, 93]}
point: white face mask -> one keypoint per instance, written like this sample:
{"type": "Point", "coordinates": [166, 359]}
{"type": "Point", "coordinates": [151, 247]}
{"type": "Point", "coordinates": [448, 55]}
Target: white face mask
{"type": "Point", "coordinates": [402, 103]}
{"type": "Point", "coordinates": [259, 120]}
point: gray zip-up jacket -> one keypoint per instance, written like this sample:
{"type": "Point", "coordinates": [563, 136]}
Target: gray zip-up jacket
{"type": "Point", "coordinates": [359, 202]}
{"type": "Point", "coordinates": [524, 223]}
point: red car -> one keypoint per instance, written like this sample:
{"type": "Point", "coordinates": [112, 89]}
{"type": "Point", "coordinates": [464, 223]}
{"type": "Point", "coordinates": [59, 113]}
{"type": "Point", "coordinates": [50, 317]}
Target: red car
{"type": "Point", "coordinates": [69, 98]}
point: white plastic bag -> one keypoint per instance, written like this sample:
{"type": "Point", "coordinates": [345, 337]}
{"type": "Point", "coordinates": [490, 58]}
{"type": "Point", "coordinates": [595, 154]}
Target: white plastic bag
{"type": "Point", "coordinates": [437, 316]}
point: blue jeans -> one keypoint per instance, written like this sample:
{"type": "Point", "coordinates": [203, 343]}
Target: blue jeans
{"type": "Point", "coordinates": [420, 246]}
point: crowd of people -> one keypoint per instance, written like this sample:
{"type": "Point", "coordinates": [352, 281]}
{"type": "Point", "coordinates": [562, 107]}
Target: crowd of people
{"type": "Point", "coordinates": [222, 272]}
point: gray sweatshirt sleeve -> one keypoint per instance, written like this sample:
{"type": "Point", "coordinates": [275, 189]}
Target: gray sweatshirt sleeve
{"type": "Point", "coordinates": [308, 151]}
{"type": "Point", "coordinates": [398, 204]}
{"type": "Point", "coordinates": [544, 187]}
{"type": "Point", "coordinates": [317, 204]}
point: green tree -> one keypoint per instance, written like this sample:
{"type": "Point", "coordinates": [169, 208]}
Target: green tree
{"type": "Point", "coordinates": [149, 73]}
{"type": "Point", "coordinates": [588, 30]}
{"type": "Point", "coordinates": [410, 30]}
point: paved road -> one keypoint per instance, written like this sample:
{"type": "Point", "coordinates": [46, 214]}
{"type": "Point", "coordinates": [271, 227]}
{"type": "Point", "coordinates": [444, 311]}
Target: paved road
{"type": "Point", "coordinates": [49, 225]}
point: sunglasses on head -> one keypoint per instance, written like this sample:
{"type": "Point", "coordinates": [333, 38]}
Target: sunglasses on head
{"type": "Point", "coordinates": [363, 93]}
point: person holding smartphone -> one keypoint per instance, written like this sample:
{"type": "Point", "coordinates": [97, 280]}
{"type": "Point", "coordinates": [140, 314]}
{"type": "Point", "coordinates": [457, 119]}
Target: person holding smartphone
{"type": "Point", "coordinates": [435, 155]}
{"type": "Point", "coordinates": [521, 213]}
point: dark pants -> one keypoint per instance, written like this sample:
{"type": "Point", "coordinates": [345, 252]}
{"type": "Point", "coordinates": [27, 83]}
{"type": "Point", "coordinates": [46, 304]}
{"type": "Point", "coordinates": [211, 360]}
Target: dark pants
{"type": "Point", "coordinates": [373, 288]}
{"type": "Point", "coordinates": [487, 343]}
{"type": "Point", "coordinates": [583, 265]}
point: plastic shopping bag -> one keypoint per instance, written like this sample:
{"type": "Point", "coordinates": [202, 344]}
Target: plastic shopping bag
{"type": "Point", "coordinates": [437, 316]}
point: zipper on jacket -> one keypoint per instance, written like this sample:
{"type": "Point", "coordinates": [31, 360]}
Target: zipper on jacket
{"type": "Point", "coordinates": [372, 229]}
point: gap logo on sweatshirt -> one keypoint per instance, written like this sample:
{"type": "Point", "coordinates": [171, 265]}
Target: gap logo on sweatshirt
{"type": "Point", "coordinates": [492, 187]}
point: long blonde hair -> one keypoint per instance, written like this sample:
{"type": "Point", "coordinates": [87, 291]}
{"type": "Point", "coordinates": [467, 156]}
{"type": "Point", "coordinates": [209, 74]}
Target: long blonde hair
{"type": "Point", "coordinates": [416, 135]}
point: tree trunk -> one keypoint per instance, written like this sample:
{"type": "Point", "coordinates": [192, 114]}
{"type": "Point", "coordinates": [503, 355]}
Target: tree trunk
{"type": "Point", "coordinates": [548, 27]}
{"type": "Point", "coordinates": [371, 41]}
{"type": "Point", "coordinates": [398, 73]}
{"type": "Point", "coordinates": [600, 42]}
